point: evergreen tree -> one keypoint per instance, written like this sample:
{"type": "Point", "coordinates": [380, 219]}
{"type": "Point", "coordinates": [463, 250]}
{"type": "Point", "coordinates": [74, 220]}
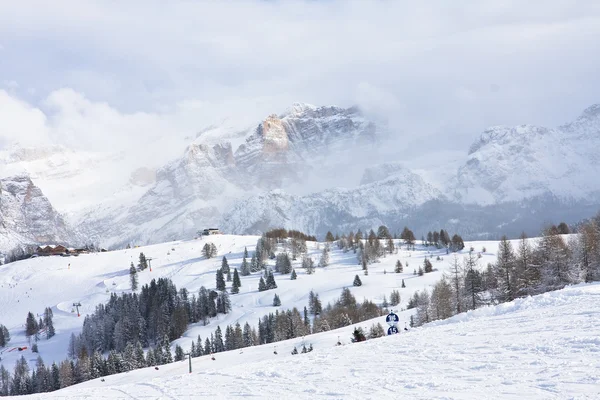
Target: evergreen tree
{"type": "Point", "coordinates": [255, 265]}
{"type": "Point", "coordinates": [48, 323]}
{"type": "Point", "coordinates": [276, 301]}
{"type": "Point", "coordinates": [143, 263]}
{"type": "Point", "coordinates": [236, 284]}
{"type": "Point", "coordinates": [133, 278]}
{"type": "Point", "coordinates": [20, 382]}
{"type": "Point", "coordinates": [244, 268]}
{"type": "Point", "coordinates": [376, 331]}
{"type": "Point", "coordinates": [324, 260]}
{"type": "Point", "coordinates": [308, 265]}
{"type": "Point", "coordinates": [357, 281]}
{"type": "Point", "coordinates": [270, 281]}
{"type": "Point", "coordinates": [218, 343]}
{"type": "Point", "coordinates": [427, 267]}
{"type": "Point", "coordinates": [31, 325]}
{"type": "Point", "coordinates": [261, 285]}
{"type": "Point", "coordinates": [329, 237]}
{"type": "Point", "coordinates": [283, 263]}
{"type": "Point", "coordinates": [4, 336]}
{"type": "Point", "coordinates": [220, 280]}
{"type": "Point", "coordinates": [293, 276]}
{"type": "Point", "coordinates": [167, 355]}
{"type": "Point", "coordinates": [399, 268]}
{"type": "Point", "coordinates": [224, 265]}
{"type": "Point", "coordinates": [179, 354]}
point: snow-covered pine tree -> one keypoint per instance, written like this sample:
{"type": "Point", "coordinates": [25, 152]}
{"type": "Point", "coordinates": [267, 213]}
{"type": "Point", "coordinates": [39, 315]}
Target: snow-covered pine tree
{"type": "Point", "coordinates": [427, 267]}
{"type": "Point", "coordinates": [261, 285]}
{"type": "Point", "coordinates": [235, 285]}
{"type": "Point", "coordinates": [270, 283]}
{"type": "Point", "coordinates": [399, 268]}
{"type": "Point", "coordinates": [179, 353]}
{"type": "Point", "coordinates": [357, 281]}
{"type": "Point", "coordinates": [220, 280]}
{"type": "Point", "coordinates": [133, 278]}
{"type": "Point", "coordinates": [276, 301]}
{"type": "Point", "coordinates": [245, 268]}
{"type": "Point", "coordinates": [324, 260]}
{"type": "Point", "coordinates": [224, 265]}
{"type": "Point", "coordinates": [308, 265]}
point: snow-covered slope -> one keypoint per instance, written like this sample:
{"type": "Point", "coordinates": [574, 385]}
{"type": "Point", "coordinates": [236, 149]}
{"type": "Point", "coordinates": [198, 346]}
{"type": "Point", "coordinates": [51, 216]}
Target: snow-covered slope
{"type": "Point", "coordinates": [27, 217]}
{"type": "Point", "coordinates": [544, 347]}
{"type": "Point", "coordinates": [526, 161]}
{"type": "Point", "coordinates": [31, 285]}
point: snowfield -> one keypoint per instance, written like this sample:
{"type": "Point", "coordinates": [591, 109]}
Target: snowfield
{"type": "Point", "coordinates": [544, 347]}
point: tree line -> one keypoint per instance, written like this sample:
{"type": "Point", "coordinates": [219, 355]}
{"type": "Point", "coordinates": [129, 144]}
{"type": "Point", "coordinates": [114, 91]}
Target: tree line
{"type": "Point", "coordinates": [533, 267]}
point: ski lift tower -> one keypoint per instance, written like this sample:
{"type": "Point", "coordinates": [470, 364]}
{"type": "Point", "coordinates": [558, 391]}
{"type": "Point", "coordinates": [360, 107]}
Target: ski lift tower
{"type": "Point", "coordinates": [150, 263]}
{"type": "Point", "coordinates": [77, 305]}
{"type": "Point", "coordinates": [190, 360]}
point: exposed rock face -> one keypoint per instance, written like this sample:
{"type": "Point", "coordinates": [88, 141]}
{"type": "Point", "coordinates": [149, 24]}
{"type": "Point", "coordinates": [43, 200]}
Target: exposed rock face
{"type": "Point", "coordinates": [193, 191]}
{"type": "Point", "coordinates": [182, 200]}
{"type": "Point", "coordinates": [27, 217]}
{"type": "Point", "coordinates": [287, 149]}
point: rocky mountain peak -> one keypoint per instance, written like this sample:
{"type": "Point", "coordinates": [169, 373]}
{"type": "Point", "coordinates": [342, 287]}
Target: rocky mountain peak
{"type": "Point", "coordinates": [273, 135]}
{"type": "Point", "coordinates": [504, 135]}
{"type": "Point", "coordinates": [27, 217]}
{"type": "Point", "coordinates": [586, 126]}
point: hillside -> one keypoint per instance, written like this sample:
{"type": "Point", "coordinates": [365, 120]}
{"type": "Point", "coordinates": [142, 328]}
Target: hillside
{"type": "Point", "coordinates": [542, 347]}
{"type": "Point", "coordinates": [30, 285]}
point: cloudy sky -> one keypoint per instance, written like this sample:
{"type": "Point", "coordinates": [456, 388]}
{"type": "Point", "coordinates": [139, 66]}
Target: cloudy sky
{"type": "Point", "coordinates": [99, 72]}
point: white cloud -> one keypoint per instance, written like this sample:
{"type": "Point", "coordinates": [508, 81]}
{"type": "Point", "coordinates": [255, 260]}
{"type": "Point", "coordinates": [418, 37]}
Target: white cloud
{"type": "Point", "coordinates": [21, 123]}
{"type": "Point", "coordinates": [135, 66]}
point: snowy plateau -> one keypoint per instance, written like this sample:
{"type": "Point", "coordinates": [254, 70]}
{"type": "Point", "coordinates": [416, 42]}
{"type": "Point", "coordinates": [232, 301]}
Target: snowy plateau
{"type": "Point", "coordinates": [541, 347]}
{"type": "Point", "coordinates": [310, 168]}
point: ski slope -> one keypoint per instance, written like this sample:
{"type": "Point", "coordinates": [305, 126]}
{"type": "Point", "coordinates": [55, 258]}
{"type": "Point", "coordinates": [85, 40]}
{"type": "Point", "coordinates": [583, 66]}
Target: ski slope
{"type": "Point", "coordinates": [543, 347]}
{"type": "Point", "coordinates": [58, 282]}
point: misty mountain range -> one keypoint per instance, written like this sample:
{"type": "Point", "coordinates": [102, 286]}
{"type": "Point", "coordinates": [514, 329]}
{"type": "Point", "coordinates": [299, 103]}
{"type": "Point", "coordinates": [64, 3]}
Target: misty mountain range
{"type": "Point", "coordinates": [311, 168]}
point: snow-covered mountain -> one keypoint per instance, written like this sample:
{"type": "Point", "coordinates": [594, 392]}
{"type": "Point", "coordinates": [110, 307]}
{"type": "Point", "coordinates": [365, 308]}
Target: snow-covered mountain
{"type": "Point", "coordinates": [370, 205]}
{"type": "Point", "coordinates": [193, 191]}
{"type": "Point", "coordinates": [526, 161]}
{"type": "Point", "coordinates": [316, 169]}
{"type": "Point", "coordinates": [27, 217]}
{"type": "Point", "coordinates": [513, 179]}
